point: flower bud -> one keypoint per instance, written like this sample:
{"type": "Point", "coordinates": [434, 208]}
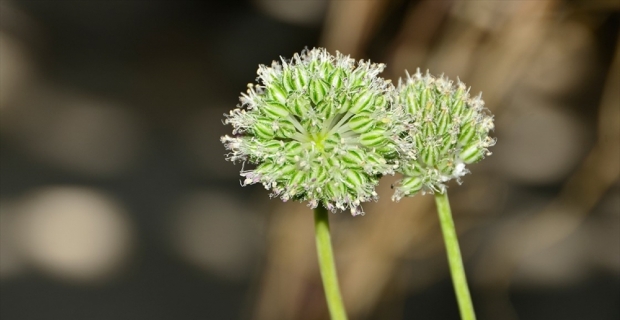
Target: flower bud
{"type": "Point", "coordinates": [287, 80]}
{"type": "Point", "coordinates": [299, 106]}
{"type": "Point", "coordinates": [472, 153]}
{"type": "Point", "coordinates": [286, 129]}
{"type": "Point", "coordinates": [361, 123]}
{"type": "Point", "coordinates": [263, 129]}
{"type": "Point", "coordinates": [273, 146]}
{"type": "Point", "coordinates": [353, 179]}
{"type": "Point", "coordinates": [318, 90]}
{"type": "Point", "coordinates": [326, 108]}
{"type": "Point", "coordinates": [336, 78]}
{"type": "Point", "coordinates": [362, 102]}
{"type": "Point", "coordinates": [353, 157]}
{"type": "Point", "coordinates": [467, 132]}
{"type": "Point", "coordinates": [277, 93]}
{"type": "Point", "coordinates": [444, 126]}
{"type": "Point", "coordinates": [411, 185]}
{"type": "Point", "coordinates": [373, 138]}
{"type": "Point", "coordinates": [274, 110]}
{"type": "Point", "coordinates": [300, 79]}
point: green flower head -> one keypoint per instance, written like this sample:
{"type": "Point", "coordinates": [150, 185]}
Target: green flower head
{"type": "Point", "coordinates": [445, 129]}
{"type": "Point", "coordinates": [319, 128]}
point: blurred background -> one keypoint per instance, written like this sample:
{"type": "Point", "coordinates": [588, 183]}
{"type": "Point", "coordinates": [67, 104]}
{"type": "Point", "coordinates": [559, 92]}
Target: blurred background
{"type": "Point", "coordinates": [116, 201]}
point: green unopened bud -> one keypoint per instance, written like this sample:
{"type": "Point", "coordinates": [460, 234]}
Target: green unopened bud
{"type": "Point", "coordinates": [332, 142]}
{"type": "Point", "coordinates": [264, 129]}
{"type": "Point", "coordinates": [287, 80]}
{"type": "Point", "coordinates": [299, 106]}
{"type": "Point", "coordinates": [325, 69]}
{"type": "Point", "coordinates": [273, 146]}
{"type": "Point", "coordinates": [319, 174]}
{"type": "Point", "coordinates": [411, 185]}
{"type": "Point", "coordinates": [429, 129]}
{"type": "Point", "coordinates": [274, 110]}
{"type": "Point", "coordinates": [458, 105]}
{"type": "Point", "coordinates": [293, 148]}
{"type": "Point", "coordinates": [287, 170]}
{"type": "Point", "coordinates": [375, 160]}
{"type": "Point", "coordinates": [336, 78]}
{"type": "Point", "coordinates": [265, 167]}
{"type": "Point", "coordinates": [472, 153]}
{"type": "Point", "coordinates": [424, 95]}
{"type": "Point", "coordinates": [277, 93]}
{"type": "Point", "coordinates": [429, 155]}
{"type": "Point", "coordinates": [412, 103]}
{"type": "Point", "coordinates": [361, 123]}
{"type": "Point", "coordinates": [286, 129]}
{"type": "Point", "coordinates": [334, 163]}
{"type": "Point", "coordinates": [447, 144]}
{"type": "Point", "coordinates": [467, 132]}
{"type": "Point", "coordinates": [353, 179]}
{"type": "Point", "coordinates": [381, 102]}
{"type": "Point", "coordinates": [353, 157]}
{"type": "Point", "coordinates": [298, 178]}
{"type": "Point", "coordinates": [443, 122]}
{"type": "Point", "coordinates": [327, 108]}
{"type": "Point", "coordinates": [362, 102]}
{"type": "Point", "coordinates": [373, 138]}
{"type": "Point", "coordinates": [300, 79]}
{"type": "Point", "coordinates": [318, 90]}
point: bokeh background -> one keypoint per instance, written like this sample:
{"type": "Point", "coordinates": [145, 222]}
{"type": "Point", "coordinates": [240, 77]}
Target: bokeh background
{"type": "Point", "coordinates": [116, 201]}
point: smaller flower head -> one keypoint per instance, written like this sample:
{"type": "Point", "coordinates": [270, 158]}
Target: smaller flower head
{"type": "Point", "coordinates": [444, 129]}
{"type": "Point", "coordinates": [319, 129]}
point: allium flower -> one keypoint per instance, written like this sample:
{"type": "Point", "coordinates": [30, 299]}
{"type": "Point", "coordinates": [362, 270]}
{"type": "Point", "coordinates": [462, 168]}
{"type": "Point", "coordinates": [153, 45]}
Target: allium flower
{"type": "Point", "coordinates": [445, 129]}
{"type": "Point", "coordinates": [318, 127]}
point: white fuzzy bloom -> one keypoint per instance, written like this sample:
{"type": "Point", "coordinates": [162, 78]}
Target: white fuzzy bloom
{"type": "Point", "coordinates": [319, 127]}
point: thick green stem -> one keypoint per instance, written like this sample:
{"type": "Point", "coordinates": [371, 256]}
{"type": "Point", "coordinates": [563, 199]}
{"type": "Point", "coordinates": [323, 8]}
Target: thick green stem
{"type": "Point", "coordinates": [454, 257]}
{"type": "Point", "coordinates": [327, 265]}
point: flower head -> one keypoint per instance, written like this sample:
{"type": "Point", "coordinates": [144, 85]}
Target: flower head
{"type": "Point", "coordinates": [318, 127]}
{"type": "Point", "coordinates": [445, 129]}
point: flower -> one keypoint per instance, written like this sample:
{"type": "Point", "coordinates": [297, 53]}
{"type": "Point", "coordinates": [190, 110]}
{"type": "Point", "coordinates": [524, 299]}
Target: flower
{"type": "Point", "coordinates": [318, 127]}
{"type": "Point", "coordinates": [445, 129]}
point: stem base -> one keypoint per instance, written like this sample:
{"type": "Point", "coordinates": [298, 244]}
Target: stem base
{"type": "Point", "coordinates": [327, 265]}
{"type": "Point", "coordinates": [455, 260]}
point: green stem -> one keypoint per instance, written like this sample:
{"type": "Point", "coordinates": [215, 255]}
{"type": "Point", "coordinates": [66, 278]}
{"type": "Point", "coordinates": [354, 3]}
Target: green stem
{"type": "Point", "coordinates": [454, 257]}
{"type": "Point", "coordinates": [327, 266]}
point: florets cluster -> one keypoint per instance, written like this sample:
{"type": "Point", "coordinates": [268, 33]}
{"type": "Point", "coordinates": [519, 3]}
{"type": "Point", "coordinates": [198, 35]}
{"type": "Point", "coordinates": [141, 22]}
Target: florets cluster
{"type": "Point", "coordinates": [319, 128]}
{"type": "Point", "coordinates": [445, 129]}
{"type": "Point", "coordinates": [324, 129]}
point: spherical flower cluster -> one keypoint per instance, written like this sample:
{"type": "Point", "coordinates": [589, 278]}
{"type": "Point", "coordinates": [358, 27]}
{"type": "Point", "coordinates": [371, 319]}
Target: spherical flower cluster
{"type": "Point", "coordinates": [319, 128]}
{"type": "Point", "coordinates": [445, 129]}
